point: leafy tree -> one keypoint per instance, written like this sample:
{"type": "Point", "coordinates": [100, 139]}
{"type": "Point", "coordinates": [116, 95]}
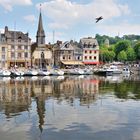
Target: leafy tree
{"type": "Point", "coordinates": [122, 56]}
{"type": "Point", "coordinates": [106, 54]}
{"type": "Point", "coordinates": [137, 50]}
{"type": "Point", "coordinates": [121, 46]}
{"type": "Point", "coordinates": [131, 55]}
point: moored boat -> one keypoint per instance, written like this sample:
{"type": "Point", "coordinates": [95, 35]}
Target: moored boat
{"type": "Point", "coordinates": [111, 70]}
{"type": "Point", "coordinates": [31, 72]}
{"type": "Point", "coordinates": [4, 73]}
{"type": "Point", "coordinates": [126, 70]}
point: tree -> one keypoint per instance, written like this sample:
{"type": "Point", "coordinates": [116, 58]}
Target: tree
{"type": "Point", "coordinates": [131, 55]}
{"type": "Point", "coordinates": [137, 50]}
{"type": "Point", "coordinates": [122, 56]}
{"type": "Point", "coordinates": [106, 54]}
{"type": "Point", "coordinates": [121, 46]}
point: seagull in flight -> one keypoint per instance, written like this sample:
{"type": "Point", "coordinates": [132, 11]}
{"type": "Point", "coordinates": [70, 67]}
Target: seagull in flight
{"type": "Point", "coordinates": [98, 19]}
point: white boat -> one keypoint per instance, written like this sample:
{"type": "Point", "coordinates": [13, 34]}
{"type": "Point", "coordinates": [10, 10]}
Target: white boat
{"type": "Point", "coordinates": [88, 71]}
{"type": "Point", "coordinates": [114, 70]}
{"type": "Point", "coordinates": [17, 72]}
{"type": "Point", "coordinates": [5, 73]}
{"type": "Point", "coordinates": [126, 70]}
{"type": "Point", "coordinates": [56, 72]}
{"type": "Point", "coordinates": [75, 71]}
{"type": "Point", "coordinates": [31, 72]}
{"type": "Point", "coordinates": [109, 70]}
{"type": "Point", "coordinates": [43, 72]}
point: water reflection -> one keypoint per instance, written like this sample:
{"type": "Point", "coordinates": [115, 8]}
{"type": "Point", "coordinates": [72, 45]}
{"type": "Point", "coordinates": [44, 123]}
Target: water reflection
{"type": "Point", "coordinates": [66, 104]}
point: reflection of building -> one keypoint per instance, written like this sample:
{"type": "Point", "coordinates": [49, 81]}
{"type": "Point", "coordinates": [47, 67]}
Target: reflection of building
{"type": "Point", "coordinates": [40, 101]}
{"type": "Point", "coordinates": [42, 89]}
{"type": "Point", "coordinates": [15, 49]}
{"type": "Point", "coordinates": [85, 89]}
{"type": "Point", "coordinates": [15, 96]}
{"type": "Point", "coordinates": [90, 88]}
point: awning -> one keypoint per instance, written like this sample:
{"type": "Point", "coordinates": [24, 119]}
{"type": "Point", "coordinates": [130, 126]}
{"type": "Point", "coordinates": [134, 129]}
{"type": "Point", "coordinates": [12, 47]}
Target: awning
{"type": "Point", "coordinates": [92, 63]}
{"type": "Point", "coordinates": [72, 62]}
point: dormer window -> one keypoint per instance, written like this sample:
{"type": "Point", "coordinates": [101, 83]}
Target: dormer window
{"type": "Point", "coordinates": [94, 45]}
{"type": "Point", "coordinates": [19, 39]}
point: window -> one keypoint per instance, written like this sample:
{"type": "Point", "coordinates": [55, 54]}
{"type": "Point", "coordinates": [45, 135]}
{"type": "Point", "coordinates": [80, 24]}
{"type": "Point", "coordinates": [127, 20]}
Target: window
{"type": "Point", "coordinates": [3, 49]}
{"type": "Point", "coordinates": [69, 57]}
{"type": "Point", "coordinates": [19, 55]}
{"type": "Point", "coordinates": [78, 57]}
{"type": "Point", "coordinates": [19, 47]}
{"type": "Point", "coordinates": [90, 51]}
{"type": "Point", "coordinates": [90, 57]}
{"type": "Point", "coordinates": [26, 47]}
{"type": "Point", "coordinates": [85, 57]}
{"type": "Point", "coordinates": [3, 57]}
{"type": "Point", "coordinates": [19, 39]}
{"type": "Point", "coordinates": [63, 57]}
{"type": "Point", "coordinates": [94, 57]}
{"type": "Point", "coordinates": [94, 51]}
{"type": "Point", "coordinates": [85, 51]}
{"type": "Point", "coordinates": [12, 47]}
{"type": "Point", "coordinates": [42, 55]}
{"type": "Point", "coordinates": [12, 55]}
{"type": "Point", "coordinates": [94, 45]}
{"type": "Point", "coordinates": [26, 55]}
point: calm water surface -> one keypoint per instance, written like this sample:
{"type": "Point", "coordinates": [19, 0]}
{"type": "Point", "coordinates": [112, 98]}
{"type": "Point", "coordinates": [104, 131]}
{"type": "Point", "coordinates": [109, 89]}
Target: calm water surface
{"type": "Point", "coordinates": [70, 107]}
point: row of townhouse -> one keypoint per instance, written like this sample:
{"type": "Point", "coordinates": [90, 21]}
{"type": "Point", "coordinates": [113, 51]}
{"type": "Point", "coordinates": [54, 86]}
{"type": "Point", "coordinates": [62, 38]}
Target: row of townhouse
{"type": "Point", "coordinates": [16, 50]}
{"type": "Point", "coordinates": [86, 52]}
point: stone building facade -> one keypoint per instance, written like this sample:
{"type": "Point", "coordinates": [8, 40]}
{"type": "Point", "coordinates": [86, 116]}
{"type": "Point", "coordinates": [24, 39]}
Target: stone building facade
{"type": "Point", "coordinates": [15, 49]}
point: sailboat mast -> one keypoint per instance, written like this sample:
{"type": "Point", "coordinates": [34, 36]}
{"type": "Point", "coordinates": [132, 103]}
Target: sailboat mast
{"type": "Point", "coordinates": [15, 44]}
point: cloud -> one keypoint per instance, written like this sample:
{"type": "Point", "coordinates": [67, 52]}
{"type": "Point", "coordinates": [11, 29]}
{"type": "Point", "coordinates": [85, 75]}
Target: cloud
{"type": "Point", "coordinates": [64, 13]}
{"type": "Point", "coordinates": [30, 18]}
{"type": "Point", "coordinates": [121, 29]}
{"type": "Point", "coordinates": [8, 4]}
{"type": "Point", "coordinates": [1, 30]}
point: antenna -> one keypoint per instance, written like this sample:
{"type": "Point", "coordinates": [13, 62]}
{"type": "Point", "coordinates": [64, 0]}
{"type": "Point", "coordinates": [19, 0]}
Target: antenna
{"type": "Point", "coordinates": [53, 37]}
{"type": "Point", "coordinates": [0, 37]}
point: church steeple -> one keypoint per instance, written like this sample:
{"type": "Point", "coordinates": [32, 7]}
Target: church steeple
{"type": "Point", "coordinates": [40, 37]}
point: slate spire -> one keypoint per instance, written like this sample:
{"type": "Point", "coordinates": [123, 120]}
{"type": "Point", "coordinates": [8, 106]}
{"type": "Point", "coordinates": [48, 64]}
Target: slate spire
{"type": "Point", "coordinates": [40, 37]}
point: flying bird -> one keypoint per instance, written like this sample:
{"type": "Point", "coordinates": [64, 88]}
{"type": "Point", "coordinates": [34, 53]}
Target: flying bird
{"type": "Point", "coordinates": [98, 19]}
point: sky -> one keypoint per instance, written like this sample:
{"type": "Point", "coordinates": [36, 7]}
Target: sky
{"type": "Point", "coordinates": [71, 19]}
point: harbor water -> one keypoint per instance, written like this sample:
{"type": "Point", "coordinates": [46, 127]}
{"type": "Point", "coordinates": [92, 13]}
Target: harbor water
{"type": "Point", "coordinates": [70, 107]}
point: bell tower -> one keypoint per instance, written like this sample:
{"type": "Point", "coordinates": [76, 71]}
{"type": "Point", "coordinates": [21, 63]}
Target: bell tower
{"type": "Point", "coordinates": [40, 36]}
